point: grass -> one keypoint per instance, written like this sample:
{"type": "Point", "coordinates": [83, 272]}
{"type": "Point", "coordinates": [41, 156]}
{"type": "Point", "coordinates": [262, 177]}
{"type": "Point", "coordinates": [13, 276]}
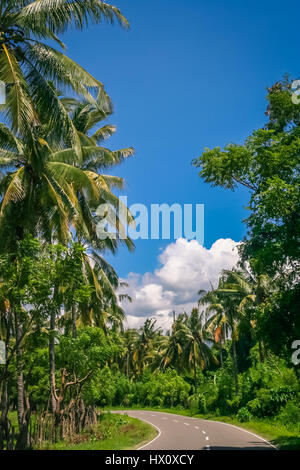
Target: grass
{"type": "Point", "coordinates": [278, 434]}
{"type": "Point", "coordinates": [113, 432]}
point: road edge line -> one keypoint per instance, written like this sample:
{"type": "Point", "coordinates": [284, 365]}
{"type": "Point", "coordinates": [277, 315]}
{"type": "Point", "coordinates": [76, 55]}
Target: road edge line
{"type": "Point", "coordinates": [222, 422]}
{"type": "Point", "coordinates": [154, 426]}
{"type": "Point", "coordinates": [241, 429]}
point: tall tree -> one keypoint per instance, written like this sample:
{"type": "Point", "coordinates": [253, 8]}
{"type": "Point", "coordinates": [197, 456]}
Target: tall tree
{"type": "Point", "coordinates": [195, 338]}
{"type": "Point", "coordinates": [268, 165]}
{"type": "Point", "coordinates": [28, 62]}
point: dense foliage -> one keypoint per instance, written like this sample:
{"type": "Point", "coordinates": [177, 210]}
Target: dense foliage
{"type": "Point", "coordinates": [61, 319]}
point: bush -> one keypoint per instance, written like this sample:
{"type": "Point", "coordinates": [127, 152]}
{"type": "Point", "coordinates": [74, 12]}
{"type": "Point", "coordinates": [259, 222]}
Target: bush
{"type": "Point", "coordinates": [164, 389]}
{"type": "Point", "coordinates": [192, 403]}
{"type": "Point", "coordinates": [202, 404]}
{"type": "Point", "coordinates": [290, 415]}
{"type": "Point", "coordinates": [255, 407]}
{"type": "Point", "coordinates": [269, 402]}
{"type": "Point", "coordinates": [244, 415]}
{"type": "Point", "coordinates": [233, 405]}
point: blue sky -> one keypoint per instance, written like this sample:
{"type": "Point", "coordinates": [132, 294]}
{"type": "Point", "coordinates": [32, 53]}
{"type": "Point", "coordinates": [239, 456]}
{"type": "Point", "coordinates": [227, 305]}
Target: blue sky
{"type": "Point", "coordinates": [189, 74]}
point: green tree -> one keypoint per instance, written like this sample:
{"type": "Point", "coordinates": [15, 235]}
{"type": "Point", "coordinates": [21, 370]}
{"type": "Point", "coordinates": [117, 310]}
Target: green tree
{"type": "Point", "coordinates": [47, 189]}
{"type": "Point", "coordinates": [145, 345]}
{"type": "Point", "coordinates": [22, 284]}
{"type": "Point", "coordinates": [195, 340]}
{"type": "Point", "coordinates": [223, 316]}
{"type": "Point", "coordinates": [28, 62]}
{"type": "Point", "coordinates": [268, 165]}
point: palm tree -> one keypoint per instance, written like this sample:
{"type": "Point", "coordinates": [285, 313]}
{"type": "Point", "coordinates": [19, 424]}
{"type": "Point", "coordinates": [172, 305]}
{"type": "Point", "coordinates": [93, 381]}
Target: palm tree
{"type": "Point", "coordinates": [196, 340]}
{"type": "Point", "coordinates": [129, 337]}
{"type": "Point", "coordinates": [101, 306]}
{"type": "Point", "coordinates": [252, 287]}
{"type": "Point", "coordinates": [225, 313]}
{"type": "Point", "coordinates": [27, 63]}
{"type": "Point", "coordinates": [97, 159]}
{"type": "Point", "coordinates": [41, 192]}
{"type": "Point", "coordinates": [51, 189]}
{"type": "Point", "coordinates": [171, 348]}
{"type": "Point", "coordinates": [145, 345]}
{"type": "Point", "coordinates": [216, 322]}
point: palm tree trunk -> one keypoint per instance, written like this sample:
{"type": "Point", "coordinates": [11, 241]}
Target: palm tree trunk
{"type": "Point", "coordinates": [52, 362]}
{"type": "Point", "coordinates": [235, 366]}
{"type": "Point", "coordinates": [261, 351]}
{"type": "Point", "coordinates": [4, 421]}
{"type": "Point", "coordinates": [127, 364]}
{"type": "Point", "coordinates": [23, 414]}
{"type": "Point", "coordinates": [195, 375]}
{"type": "Point", "coordinates": [74, 318]}
{"type": "Point", "coordinates": [221, 350]}
{"type": "Point", "coordinates": [221, 355]}
{"type": "Point", "coordinates": [222, 342]}
{"type": "Point", "coordinates": [20, 377]}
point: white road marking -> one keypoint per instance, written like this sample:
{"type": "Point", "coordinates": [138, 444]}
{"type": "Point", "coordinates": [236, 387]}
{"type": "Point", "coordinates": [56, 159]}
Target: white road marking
{"type": "Point", "coordinates": [165, 418]}
{"type": "Point", "coordinates": [175, 420]}
{"type": "Point", "coordinates": [207, 438]}
{"type": "Point", "coordinates": [187, 424]}
{"type": "Point", "coordinates": [248, 432]}
{"type": "Point", "coordinates": [158, 435]}
{"type": "Point", "coordinates": [211, 421]}
{"type": "Point", "coordinates": [196, 427]}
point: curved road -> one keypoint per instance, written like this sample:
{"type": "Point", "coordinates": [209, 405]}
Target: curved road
{"type": "Point", "coordinates": [176, 432]}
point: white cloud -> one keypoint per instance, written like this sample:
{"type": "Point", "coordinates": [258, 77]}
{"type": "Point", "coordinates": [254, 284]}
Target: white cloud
{"type": "Point", "coordinates": [186, 267]}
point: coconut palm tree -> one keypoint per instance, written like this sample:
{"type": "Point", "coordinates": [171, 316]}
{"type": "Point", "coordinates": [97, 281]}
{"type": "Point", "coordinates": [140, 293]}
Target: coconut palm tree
{"type": "Point", "coordinates": [252, 287]}
{"type": "Point", "coordinates": [47, 189]}
{"type": "Point", "coordinates": [100, 306]}
{"type": "Point", "coordinates": [128, 365]}
{"type": "Point", "coordinates": [216, 321]}
{"type": "Point", "coordinates": [97, 159]}
{"type": "Point", "coordinates": [195, 339]}
{"type": "Point", "coordinates": [28, 62]}
{"type": "Point", "coordinates": [225, 315]}
{"type": "Point", "coordinates": [170, 353]}
{"type": "Point", "coordinates": [145, 345]}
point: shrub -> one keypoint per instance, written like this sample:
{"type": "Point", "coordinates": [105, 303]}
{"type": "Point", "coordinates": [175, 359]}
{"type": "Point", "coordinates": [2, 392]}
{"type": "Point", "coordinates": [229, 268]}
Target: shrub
{"type": "Point", "coordinates": [269, 402]}
{"type": "Point", "coordinates": [255, 407]}
{"type": "Point", "coordinates": [233, 405]}
{"type": "Point", "coordinates": [192, 403]}
{"type": "Point", "coordinates": [166, 389]}
{"type": "Point", "coordinates": [290, 415]}
{"type": "Point", "coordinates": [202, 404]}
{"type": "Point", "coordinates": [244, 415]}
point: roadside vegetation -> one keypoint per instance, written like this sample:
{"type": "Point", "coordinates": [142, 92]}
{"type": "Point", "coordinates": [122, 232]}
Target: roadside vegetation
{"type": "Point", "coordinates": [112, 432]}
{"type": "Point", "coordinates": [66, 349]}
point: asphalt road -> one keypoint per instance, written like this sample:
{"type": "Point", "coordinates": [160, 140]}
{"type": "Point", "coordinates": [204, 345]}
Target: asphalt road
{"type": "Point", "coordinates": [176, 432]}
